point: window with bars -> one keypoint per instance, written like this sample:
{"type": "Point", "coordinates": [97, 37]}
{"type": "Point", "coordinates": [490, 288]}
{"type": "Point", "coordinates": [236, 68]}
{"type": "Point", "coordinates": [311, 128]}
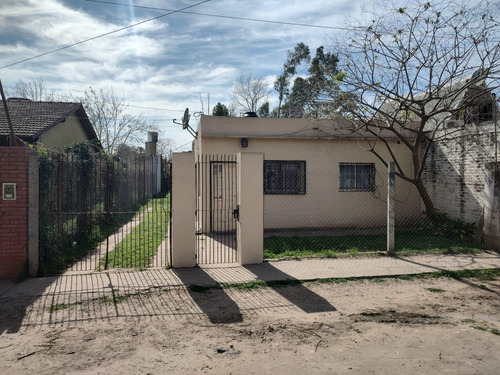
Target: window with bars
{"type": "Point", "coordinates": [356, 176]}
{"type": "Point", "coordinates": [284, 177]}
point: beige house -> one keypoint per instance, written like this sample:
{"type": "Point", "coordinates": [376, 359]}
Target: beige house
{"type": "Point", "coordinates": [49, 124]}
{"type": "Point", "coordinates": [317, 173]}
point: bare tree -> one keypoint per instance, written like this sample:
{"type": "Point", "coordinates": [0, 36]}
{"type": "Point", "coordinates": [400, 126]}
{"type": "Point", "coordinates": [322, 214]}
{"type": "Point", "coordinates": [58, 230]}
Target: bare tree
{"type": "Point", "coordinates": [416, 68]}
{"type": "Point", "coordinates": [35, 90]}
{"type": "Point", "coordinates": [114, 127]}
{"type": "Point", "coordinates": [248, 91]}
{"type": "Point", "coordinates": [165, 145]}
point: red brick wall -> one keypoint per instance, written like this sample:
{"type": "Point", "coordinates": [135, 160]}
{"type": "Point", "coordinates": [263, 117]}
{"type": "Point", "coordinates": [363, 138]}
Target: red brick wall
{"type": "Point", "coordinates": [14, 165]}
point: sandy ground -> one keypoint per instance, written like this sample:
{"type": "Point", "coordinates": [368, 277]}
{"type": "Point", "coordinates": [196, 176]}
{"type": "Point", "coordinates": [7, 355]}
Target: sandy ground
{"type": "Point", "coordinates": [381, 326]}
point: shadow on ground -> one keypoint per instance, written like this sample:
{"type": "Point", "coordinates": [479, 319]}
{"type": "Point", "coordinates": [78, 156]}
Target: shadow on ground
{"type": "Point", "coordinates": [220, 310]}
{"type": "Point", "coordinates": [156, 293]}
{"type": "Point", "coordinates": [16, 302]}
{"type": "Point", "coordinates": [296, 293]}
{"type": "Point", "coordinates": [462, 280]}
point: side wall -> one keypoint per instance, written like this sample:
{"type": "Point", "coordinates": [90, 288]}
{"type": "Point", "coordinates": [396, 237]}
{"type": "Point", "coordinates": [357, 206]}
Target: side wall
{"type": "Point", "coordinates": [324, 205]}
{"type": "Point", "coordinates": [454, 173]}
{"type": "Point", "coordinates": [63, 134]}
{"type": "Point", "coordinates": [14, 168]}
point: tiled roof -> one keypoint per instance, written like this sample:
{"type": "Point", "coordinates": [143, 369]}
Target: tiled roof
{"type": "Point", "coordinates": [30, 119]}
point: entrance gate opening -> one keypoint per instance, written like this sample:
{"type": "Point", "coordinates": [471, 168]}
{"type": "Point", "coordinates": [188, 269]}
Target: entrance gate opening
{"type": "Point", "coordinates": [216, 209]}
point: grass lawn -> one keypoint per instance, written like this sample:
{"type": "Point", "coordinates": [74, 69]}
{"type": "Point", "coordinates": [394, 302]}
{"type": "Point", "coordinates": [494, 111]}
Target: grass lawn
{"type": "Point", "coordinates": [407, 243]}
{"type": "Point", "coordinates": [138, 248]}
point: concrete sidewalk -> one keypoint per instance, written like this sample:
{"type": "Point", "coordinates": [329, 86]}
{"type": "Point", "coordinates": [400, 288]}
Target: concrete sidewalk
{"type": "Point", "coordinates": [305, 269]}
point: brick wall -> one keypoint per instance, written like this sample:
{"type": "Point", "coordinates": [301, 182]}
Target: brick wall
{"type": "Point", "coordinates": [14, 165]}
{"type": "Point", "coordinates": [454, 173]}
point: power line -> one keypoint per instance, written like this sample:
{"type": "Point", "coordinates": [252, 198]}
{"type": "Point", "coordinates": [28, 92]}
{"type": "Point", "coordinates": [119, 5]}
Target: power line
{"type": "Point", "coordinates": [157, 109]}
{"type": "Point", "coordinates": [342, 28]}
{"type": "Point", "coordinates": [184, 145]}
{"type": "Point", "coordinates": [224, 16]}
{"type": "Point", "coordinates": [102, 35]}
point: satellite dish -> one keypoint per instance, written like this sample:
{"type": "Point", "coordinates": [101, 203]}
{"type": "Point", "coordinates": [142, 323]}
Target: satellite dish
{"type": "Point", "coordinates": [185, 119]}
{"type": "Point", "coordinates": [185, 123]}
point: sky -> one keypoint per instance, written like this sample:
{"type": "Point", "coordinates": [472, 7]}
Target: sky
{"type": "Point", "coordinates": [176, 61]}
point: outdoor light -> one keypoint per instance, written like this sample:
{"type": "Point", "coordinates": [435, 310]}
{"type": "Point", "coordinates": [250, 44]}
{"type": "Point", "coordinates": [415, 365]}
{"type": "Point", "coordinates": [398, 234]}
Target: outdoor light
{"type": "Point", "coordinates": [244, 142]}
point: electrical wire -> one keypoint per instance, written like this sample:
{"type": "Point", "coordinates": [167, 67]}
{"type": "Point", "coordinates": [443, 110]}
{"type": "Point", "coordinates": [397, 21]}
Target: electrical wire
{"type": "Point", "coordinates": [156, 108]}
{"type": "Point", "coordinates": [102, 35]}
{"type": "Point", "coordinates": [225, 16]}
{"type": "Point", "coordinates": [184, 145]}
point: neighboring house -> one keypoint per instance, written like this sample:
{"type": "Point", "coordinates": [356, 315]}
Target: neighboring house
{"type": "Point", "coordinates": [49, 124]}
{"type": "Point", "coordinates": [464, 142]}
{"type": "Point", "coordinates": [317, 173]}
{"type": "Point", "coordinates": [455, 170]}
{"type": "Point", "coordinates": [456, 103]}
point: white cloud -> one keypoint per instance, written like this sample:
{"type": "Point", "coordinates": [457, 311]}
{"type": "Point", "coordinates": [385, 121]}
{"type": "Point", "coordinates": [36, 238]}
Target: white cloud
{"type": "Point", "coordinates": [165, 63]}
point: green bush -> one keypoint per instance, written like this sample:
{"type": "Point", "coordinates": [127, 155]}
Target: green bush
{"type": "Point", "coordinates": [440, 224]}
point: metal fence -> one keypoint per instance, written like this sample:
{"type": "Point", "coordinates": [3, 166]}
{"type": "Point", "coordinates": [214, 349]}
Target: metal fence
{"type": "Point", "coordinates": [331, 213]}
{"type": "Point", "coordinates": [216, 202]}
{"type": "Point", "coordinates": [99, 212]}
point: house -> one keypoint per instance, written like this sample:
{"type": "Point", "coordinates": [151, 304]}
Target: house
{"type": "Point", "coordinates": [463, 101]}
{"type": "Point", "coordinates": [317, 174]}
{"type": "Point", "coordinates": [50, 124]}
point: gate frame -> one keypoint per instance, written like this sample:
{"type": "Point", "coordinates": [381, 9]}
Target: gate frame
{"type": "Point", "coordinates": [250, 227]}
{"type": "Point", "coordinates": [216, 225]}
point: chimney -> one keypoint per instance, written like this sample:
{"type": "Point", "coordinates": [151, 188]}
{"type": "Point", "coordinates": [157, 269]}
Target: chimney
{"type": "Point", "coordinates": [151, 144]}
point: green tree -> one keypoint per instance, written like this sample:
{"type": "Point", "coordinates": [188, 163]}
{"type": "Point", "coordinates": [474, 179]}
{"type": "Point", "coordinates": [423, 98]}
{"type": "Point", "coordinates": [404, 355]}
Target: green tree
{"type": "Point", "coordinates": [282, 82]}
{"type": "Point", "coordinates": [264, 110]}
{"type": "Point", "coordinates": [220, 110]}
{"type": "Point", "coordinates": [317, 93]}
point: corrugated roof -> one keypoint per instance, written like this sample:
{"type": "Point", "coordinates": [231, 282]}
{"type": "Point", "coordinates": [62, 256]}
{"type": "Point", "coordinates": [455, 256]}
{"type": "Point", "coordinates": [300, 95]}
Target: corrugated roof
{"type": "Point", "coordinates": [30, 119]}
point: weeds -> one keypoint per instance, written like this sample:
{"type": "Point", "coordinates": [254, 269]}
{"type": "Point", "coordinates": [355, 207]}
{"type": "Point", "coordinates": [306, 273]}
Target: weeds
{"type": "Point", "coordinates": [481, 328]}
{"type": "Point", "coordinates": [58, 306]}
{"type": "Point", "coordinates": [108, 300]}
{"type": "Point", "coordinates": [468, 320]}
{"type": "Point", "coordinates": [435, 290]}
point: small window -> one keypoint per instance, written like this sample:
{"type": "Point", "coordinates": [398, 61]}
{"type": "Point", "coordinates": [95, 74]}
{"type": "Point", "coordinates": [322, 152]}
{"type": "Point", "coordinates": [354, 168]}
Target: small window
{"type": "Point", "coordinates": [357, 177]}
{"type": "Point", "coordinates": [284, 177]}
{"type": "Point", "coordinates": [217, 180]}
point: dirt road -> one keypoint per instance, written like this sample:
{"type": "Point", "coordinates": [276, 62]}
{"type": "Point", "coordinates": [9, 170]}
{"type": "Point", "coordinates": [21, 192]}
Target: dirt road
{"type": "Point", "coordinates": [380, 326]}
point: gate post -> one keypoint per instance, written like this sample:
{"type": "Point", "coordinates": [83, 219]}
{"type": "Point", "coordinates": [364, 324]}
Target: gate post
{"type": "Point", "coordinates": [33, 212]}
{"type": "Point", "coordinates": [250, 226]}
{"type": "Point", "coordinates": [491, 228]}
{"type": "Point", "coordinates": [391, 249]}
{"type": "Point", "coordinates": [183, 210]}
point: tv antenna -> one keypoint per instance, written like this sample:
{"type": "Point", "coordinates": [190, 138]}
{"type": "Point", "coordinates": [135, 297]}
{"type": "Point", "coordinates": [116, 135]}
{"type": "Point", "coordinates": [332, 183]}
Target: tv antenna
{"type": "Point", "coordinates": [185, 123]}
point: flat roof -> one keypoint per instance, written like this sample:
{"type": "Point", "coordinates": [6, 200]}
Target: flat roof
{"type": "Point", "coordinates": [266, 127]}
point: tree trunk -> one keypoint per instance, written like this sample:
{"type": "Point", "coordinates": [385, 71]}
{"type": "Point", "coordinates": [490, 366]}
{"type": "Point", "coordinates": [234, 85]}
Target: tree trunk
{"type": "Point", "coordinates": [429, 205]}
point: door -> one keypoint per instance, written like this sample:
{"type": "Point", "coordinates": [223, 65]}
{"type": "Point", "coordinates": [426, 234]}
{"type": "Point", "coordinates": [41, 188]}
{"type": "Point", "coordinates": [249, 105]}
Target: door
{"type": "Point", "coordinates": [223, 196]}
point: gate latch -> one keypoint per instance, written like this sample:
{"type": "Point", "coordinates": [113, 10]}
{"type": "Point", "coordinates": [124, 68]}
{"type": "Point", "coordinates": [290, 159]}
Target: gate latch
{"type": "Point", "coordinates": [236, 213]}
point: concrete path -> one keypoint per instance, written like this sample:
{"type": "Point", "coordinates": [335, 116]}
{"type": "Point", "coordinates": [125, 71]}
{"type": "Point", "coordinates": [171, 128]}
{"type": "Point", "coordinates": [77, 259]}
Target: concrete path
{"type": "Point", "coordinates": [93, 258]}
{"type": "Point", "coordinates": [210, 275]}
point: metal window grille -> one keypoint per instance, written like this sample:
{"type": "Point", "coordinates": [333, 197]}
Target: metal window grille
{"type": "Point", "coordinates": [284, 177]}
{"type": "Point", "coordinates": [356, 176]}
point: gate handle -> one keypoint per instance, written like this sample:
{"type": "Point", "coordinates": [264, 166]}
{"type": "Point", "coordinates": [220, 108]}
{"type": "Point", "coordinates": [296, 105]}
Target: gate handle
{"type": "Point", "coordinates": [236, 213]}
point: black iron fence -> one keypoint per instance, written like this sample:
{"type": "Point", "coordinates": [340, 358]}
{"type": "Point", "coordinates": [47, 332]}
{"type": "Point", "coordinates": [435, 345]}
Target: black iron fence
{"type": "Point", "coordinates": [216, 209]}
{"type": "Point", "coordinates": [99, 211]}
